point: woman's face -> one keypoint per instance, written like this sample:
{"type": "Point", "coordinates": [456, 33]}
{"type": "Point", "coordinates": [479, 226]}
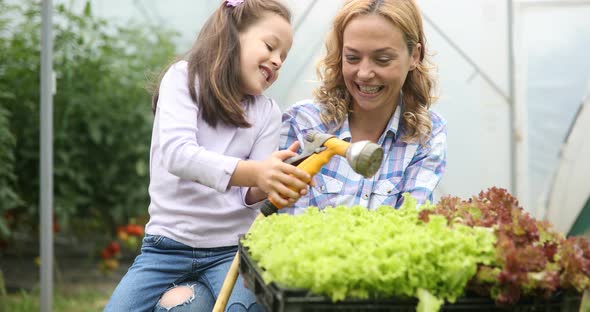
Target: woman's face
{"type": "Point", "coordinates": [375, 63]}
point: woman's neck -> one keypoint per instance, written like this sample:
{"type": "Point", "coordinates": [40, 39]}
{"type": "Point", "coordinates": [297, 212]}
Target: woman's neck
{"type": "Point", "coordinates": [369, 125]}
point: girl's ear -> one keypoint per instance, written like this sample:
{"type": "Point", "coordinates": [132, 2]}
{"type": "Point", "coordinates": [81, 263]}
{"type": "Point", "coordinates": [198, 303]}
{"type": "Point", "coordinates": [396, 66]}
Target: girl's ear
{"type": "Point", "coordinates": [416, 56]}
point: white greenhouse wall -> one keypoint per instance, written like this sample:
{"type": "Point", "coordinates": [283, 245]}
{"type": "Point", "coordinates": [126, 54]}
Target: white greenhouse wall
{"type": "Point", "coordinates": [469, 40]}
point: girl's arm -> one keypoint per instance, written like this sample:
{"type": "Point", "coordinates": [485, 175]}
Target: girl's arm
{"type": "Point", "coordinates": [265, 176]}
{"type": "Point", "coordinates": [176, 126]}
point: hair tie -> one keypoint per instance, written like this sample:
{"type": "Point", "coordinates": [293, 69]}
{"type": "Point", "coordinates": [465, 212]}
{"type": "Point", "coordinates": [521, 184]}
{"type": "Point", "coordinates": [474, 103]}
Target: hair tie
{"type": "Point", "coordinates": [233, 3]}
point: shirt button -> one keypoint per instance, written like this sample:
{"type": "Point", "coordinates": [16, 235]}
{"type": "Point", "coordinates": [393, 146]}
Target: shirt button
{"type": "Point", "coordinates": [322, 188]}
{"type": "Point", "coordinates": [365, 196]}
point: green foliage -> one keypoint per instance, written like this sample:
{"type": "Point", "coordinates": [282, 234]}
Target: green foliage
{"type": "Point", "coordinates": [88, 298]}
{"type": "Point", "coordinates": [8, 197]}
{"type": "Point", "coordinates": [352, 252]}
{"type": "Point", "coordinates": [102, 114]}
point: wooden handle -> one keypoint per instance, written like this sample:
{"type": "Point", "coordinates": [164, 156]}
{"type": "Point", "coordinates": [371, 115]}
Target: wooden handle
{"type": "Point", "coordinates": [228, 285]}
{"type": "Point", "coordinates": [229, 281]}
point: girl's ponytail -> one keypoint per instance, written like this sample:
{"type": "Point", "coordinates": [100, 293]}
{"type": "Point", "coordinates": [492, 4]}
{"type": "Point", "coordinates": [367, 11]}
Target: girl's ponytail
{"type": "Point", "coordinates": [214, 67]}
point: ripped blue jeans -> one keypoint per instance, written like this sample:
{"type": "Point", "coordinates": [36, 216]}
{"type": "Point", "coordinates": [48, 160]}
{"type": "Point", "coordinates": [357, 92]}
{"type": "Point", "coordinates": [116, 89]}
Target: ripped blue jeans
{"type": "Point", "coordinates": [164, 264]}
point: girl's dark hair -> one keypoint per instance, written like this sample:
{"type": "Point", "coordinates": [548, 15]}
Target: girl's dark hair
{"type": "Point", "coordinates": [214, 61]}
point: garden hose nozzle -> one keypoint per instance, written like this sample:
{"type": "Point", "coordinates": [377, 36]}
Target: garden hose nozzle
{"type": "Point", "coordinates": [364, 157]}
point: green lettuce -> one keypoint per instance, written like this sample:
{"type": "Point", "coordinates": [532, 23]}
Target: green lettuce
{"type": "Point", "coordinates": [352, 252]}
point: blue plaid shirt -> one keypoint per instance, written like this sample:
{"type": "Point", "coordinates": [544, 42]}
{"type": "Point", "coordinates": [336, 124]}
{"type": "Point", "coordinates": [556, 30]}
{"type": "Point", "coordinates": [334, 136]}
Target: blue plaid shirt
{"type": "Point", "coordinates": [412, 168]}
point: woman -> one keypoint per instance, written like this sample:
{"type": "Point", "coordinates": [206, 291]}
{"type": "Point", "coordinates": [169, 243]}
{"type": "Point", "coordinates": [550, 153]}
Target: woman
{"type": "Point", "coordinates": [375, 86]}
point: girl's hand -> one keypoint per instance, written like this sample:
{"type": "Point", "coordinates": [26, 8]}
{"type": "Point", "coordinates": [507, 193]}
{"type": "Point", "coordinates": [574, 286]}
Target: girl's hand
{"type": "Point", "coordinates": [284, 183]}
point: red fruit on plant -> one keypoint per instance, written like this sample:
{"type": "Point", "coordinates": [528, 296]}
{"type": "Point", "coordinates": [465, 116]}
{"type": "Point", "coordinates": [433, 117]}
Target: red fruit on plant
{"type": "Point", "coordinates": [114, 247]}
{"type": "Point", "coordinates": [134, 229]}
{"type": "Point", "coordinates": [106, 254]}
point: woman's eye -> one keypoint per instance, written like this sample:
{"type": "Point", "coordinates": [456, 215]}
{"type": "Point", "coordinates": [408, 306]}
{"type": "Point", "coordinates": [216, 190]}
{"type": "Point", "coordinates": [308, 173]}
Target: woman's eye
{"type": "Point", "coordinates": [351, 58]}
{"type": "Point", "coordinates": [383, 60]}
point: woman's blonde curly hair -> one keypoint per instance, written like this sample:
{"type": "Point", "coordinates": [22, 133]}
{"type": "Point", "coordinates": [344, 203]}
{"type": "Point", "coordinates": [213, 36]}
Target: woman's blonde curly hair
{"type": "Point", "coordinates": [333, 95]}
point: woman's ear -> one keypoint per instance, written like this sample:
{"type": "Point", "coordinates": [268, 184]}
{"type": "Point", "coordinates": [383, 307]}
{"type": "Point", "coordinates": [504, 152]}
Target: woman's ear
{"type": "Point", "coordinates": [416, 53]}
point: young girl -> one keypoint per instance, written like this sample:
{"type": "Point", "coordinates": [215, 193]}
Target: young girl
{"type": "Point", "coordinates": [213, 131]}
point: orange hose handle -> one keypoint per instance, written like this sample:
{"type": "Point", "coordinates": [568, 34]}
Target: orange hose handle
{"type": "Point", "coordinates": [314, 163]}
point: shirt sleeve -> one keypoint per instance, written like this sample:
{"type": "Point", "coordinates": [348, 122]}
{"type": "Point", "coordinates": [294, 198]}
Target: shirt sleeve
{"type": "Point", "coordinates": [268, 139]}
{"type": "Point", "coordinates": [291, 131]}
{"type": "Point", "coordinates": [427, 167]}
{"type": "Point", "coordinates": [266, 142]}
{"type": "Point", "coordinates": [181, 153]}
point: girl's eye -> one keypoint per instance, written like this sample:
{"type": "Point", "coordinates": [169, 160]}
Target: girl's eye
{"type": "Point", "coordinates": [268, 46]}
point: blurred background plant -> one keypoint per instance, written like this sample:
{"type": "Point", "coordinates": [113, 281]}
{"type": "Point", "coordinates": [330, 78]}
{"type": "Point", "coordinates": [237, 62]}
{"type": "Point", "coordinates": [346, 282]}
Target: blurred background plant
{"type": "Point", "coordinates": [102, 119]}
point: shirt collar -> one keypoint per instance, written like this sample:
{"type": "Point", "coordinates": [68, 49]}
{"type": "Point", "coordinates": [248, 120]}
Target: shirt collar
{"type": "Point", "coordinates": [392, 127]}
{"type": "Point", "coordinates": [343, 133]}
{"type": "Point", "coordinates": [393, 124]}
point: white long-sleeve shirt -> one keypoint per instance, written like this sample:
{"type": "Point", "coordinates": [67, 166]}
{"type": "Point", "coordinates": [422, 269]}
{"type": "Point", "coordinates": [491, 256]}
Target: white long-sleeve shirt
{"type": "Point", "coordinates": [191, 164]}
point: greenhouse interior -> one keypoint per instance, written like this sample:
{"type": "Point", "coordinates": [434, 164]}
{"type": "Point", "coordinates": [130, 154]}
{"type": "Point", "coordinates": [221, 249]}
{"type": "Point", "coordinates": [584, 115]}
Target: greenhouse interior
{"type": "Point", "coordinates": [512, 83]}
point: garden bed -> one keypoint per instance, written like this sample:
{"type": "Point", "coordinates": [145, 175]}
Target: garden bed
{"type": "Point", "coordinates": [482, 253]}
{"type": "Point", "coordinates": [276, 298]}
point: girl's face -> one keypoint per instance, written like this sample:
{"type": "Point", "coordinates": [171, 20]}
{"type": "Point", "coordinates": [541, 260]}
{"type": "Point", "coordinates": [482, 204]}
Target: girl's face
{"type": "Point", "coordinates": [264, 48]}
{"type": "Point", "coordinates": [375, 63]}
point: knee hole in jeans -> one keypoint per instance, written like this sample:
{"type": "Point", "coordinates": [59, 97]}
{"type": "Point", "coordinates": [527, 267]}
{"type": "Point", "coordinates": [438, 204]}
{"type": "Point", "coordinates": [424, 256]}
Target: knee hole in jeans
{"type": "Point", "coordinates": [177, 296]}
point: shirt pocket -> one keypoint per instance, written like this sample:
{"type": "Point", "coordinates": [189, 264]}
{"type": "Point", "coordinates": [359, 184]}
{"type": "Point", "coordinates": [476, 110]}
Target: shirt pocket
{"type": "Point", "coordinates": [326, 191]}
{"type": "Point", "coordinates": [328, 185]}
{"type": "Point", "coordinates": [386, 193]}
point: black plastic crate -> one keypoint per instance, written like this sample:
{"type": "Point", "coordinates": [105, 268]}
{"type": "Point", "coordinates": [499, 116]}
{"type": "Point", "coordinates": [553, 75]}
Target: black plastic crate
{"type": "Point", "coordinates": [275, 298]}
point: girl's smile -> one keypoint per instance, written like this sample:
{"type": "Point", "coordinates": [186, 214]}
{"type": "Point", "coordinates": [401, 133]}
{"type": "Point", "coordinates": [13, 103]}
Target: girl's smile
{"type": "Point", "coordinates": [264, 47]}
{"type": "Point", "coordinates": [266, 72]}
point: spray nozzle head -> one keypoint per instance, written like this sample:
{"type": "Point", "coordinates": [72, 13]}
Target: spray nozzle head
{"type": "Point", "coordinates": [364, 157]}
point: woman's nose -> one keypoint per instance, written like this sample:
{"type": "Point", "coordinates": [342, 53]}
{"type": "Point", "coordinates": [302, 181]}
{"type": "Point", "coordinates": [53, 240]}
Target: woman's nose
{"type": "Point", "coordinates": [365, 71]}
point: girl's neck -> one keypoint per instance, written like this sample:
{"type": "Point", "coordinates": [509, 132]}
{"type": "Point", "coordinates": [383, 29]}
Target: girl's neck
{"type": "Point", "coordinates": [369, 125]}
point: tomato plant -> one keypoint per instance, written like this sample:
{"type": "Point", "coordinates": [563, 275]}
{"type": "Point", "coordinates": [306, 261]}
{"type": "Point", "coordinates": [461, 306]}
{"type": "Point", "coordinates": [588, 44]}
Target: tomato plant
{"type": "Point", "coordinates": [102, 117]}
